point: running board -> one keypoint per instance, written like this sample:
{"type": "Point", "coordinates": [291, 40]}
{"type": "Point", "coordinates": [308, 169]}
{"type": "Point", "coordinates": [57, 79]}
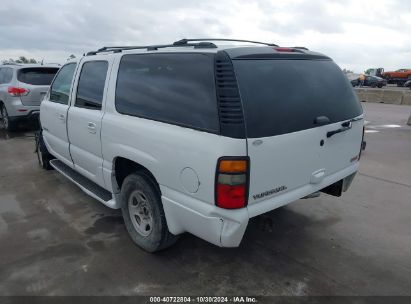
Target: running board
{"type": "Point", "coordinates": [89, 187]}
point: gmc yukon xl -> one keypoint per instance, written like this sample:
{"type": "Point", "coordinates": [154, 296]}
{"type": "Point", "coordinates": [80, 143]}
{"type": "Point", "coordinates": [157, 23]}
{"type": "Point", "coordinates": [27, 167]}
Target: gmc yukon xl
{"type": "Point", "coordinates": [198, 137]}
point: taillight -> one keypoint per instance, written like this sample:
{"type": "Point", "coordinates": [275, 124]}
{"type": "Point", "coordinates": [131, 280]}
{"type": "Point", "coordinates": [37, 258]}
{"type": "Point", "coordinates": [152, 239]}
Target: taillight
{"type": "Point", "coordinates": [16, 91]}
{"type": "Point", "coordinates": [231, 185]}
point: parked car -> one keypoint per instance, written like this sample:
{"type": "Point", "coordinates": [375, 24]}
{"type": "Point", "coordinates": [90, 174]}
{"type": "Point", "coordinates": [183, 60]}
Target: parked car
{"type": "Point", "coordinates": [22, 87]}
{"type": "Point", "coordinates": [370, 81]}
{"type": "Point", "coordinates": [408, 84]}
{"type": "Point", "coordinates": [199, 138]}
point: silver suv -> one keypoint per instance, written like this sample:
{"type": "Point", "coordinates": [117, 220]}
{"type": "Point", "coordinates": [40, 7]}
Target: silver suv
{"type": "Point", "coordinates": [22, 88]}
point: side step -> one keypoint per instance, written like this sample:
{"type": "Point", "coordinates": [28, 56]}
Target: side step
{"type": "Point", "coordinates": [89, 187]}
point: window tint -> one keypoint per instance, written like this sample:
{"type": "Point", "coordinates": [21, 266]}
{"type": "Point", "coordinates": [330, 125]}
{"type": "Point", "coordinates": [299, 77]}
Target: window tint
{"type": "Point", "coordinates": [90, 88]}
{"type": "Point", "coordinates": [60, 89]}
{"type": "Point", "coordinates": [283, 96]}
{"type": "Point", "coordinates": [36, 76]}
{"type": "Point", "coordinates": [6, 74]}
{"type": "Point", "coordinates": [173, 88]}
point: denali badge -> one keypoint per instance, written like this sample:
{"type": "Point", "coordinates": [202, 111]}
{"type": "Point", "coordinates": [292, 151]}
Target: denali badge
{"type": "Point", "coordinates": [269, 192]}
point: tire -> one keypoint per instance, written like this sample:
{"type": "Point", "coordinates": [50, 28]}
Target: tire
{"type": "Point", "coordinates": [379, 85]}
{"type": "Point", "coordinates": [143, 213]}
{"type": "Point", "coordinates": [43, 155]}
{"type": "Point", "coordinates": [5, 119]}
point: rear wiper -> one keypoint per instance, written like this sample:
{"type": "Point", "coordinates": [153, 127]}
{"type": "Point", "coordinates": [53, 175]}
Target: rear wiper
{"type": "Point", "coordinates": [345, 127]}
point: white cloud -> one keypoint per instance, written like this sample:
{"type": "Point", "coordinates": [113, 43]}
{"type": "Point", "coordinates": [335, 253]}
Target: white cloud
{"type": "Point", "coordinates": [356, 34]}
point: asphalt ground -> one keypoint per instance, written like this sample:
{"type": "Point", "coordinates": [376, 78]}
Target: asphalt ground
{"type": "Point", "coordinates": [55, 240]}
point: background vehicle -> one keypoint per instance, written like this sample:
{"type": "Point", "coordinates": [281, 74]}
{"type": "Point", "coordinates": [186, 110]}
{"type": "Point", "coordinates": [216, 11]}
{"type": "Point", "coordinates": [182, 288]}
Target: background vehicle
{"type": "Point", "coordinates": [22, 87]}
{"type": "Point", "coordinates": [199, 138]}
{"type": "Point", "coordinates": [408, 84]}
{"type": "Point", "coordinates": [371, 81]}
{"type": "Point", "coordinates": [398, 77]}
{"type": "Point", "coordinates": [375, 72]}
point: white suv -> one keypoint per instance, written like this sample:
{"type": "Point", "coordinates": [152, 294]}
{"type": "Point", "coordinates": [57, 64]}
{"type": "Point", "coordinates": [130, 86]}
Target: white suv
{"type": "Point", "coordinates": [195, 137]}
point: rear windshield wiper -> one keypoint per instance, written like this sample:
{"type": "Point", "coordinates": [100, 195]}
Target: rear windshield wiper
{"type": "Point", "coordinates": [347, 125]}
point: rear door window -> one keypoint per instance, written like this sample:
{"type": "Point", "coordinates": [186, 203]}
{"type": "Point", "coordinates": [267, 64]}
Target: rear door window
{"type": "Point", "coordinates": [284, 96]}
{"type": "Point", "coordinates": [91, 84]}
{"type": "Point", "coordinates": [172, 88]}
{"type": "Point", "coordinates": [61, 87]}
{"type": "Point", "coordinates": [36, 76]}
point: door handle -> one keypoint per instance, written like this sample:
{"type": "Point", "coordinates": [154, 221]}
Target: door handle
{"type": "Point", "coordinates": [91, 126]}
{"type": "Point", "coordinates": [61, 117]}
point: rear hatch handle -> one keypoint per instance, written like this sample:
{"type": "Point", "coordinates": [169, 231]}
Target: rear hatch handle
{"type": "Point", "coordinates": [345, 126]}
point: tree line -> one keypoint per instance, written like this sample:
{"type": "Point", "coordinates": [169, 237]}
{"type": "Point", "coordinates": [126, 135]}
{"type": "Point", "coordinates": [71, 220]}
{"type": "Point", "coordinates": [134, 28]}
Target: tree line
{"type": "Point", "coordinates": [24, 59]}
{"type": "Point", "coordinates": [21, 59]}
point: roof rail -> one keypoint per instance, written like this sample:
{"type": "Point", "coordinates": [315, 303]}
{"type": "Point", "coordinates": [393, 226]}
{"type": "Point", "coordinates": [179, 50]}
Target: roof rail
{"type": "Point", "coordinates": [185, 41]}
{"type": "Point", "coordinates": [118, 49]}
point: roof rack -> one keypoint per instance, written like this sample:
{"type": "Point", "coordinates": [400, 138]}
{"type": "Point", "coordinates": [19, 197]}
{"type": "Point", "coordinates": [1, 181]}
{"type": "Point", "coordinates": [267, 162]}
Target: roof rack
{"type": "Point", "coordinates": [201, 43]}
{"type": "Point", "coordinates": [185, 41]}
{"type": "Point", "coordinates": [118, 49]}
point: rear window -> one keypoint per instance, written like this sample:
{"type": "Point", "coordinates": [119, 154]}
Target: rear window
{"type": "Point", "coordinates": [91, 84]}
{"type": "Point", "coordinates": [283, 96]}
{"type": "Point", "coordinates": [172, 88]}
{"type": "Point", "coordinates": [37, 76]}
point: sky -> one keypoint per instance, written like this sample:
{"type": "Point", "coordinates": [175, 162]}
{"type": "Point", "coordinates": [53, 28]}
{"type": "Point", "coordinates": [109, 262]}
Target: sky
{"type": "Point", "coordinates": [356, 34]}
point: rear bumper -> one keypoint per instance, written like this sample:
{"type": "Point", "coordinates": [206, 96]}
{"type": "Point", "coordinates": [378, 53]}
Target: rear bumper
{"type": "Point", "coordinates": [29, 115]}
{"type": "Point", "coordinates": [17, 110]}
{"type": "Point", "coordinates": [225, 228]}
{"type": "Point", "coordinates": [221, 227]}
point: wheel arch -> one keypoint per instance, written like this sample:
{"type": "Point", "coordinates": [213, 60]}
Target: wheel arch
{"type": "Point", "coordinates": [123, 166]}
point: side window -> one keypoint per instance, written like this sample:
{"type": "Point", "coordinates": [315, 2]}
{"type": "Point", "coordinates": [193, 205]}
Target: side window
{"type": "Point", "coordinates": [60, 88]}
{"type": "Point", "coordinates": [90, 88]}
{"type": "Point", "coordinates": [6, 74]}
{"type": "Point", "coordinates": [173, 88]}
